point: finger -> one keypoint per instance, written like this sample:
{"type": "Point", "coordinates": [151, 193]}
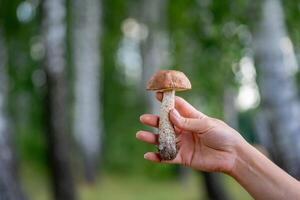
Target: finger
{"type": "Point", "coordinates": [150, 120]}
{"type": "Point", "coordinates": [176, 160]}
{"type": "Point", "coordinates": [183, 107]}
{"type": "Point", "coordinates": [153, 120]}
{"type": "Point", "coordinates": [179, 131]}
{"type": "Point", "coordinates": [148, 137]}
{"type": "Point", "coordinates": [155, 157]}
{"type": "Point", "coordinates": [186, 109]}
{"type": "Point", "coordinates": [199, 125]}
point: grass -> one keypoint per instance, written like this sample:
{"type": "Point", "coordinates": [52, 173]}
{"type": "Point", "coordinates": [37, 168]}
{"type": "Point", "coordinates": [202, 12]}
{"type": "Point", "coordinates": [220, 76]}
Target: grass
{"type": "Point", "coordinates": [140, 188]}
{"type": "Point", "coordinates": [114, 187]}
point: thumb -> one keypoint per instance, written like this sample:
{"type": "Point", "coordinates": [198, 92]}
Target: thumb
{"type": "Point", "coordinates": [199, 125]}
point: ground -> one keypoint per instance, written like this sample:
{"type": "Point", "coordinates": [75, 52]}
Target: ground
{"type": "Point", "coordinates": [113, 187]}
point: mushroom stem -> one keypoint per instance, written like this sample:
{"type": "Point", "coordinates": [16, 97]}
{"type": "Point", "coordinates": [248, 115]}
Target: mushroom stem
{"type": "Point", "coordinates": [167, 144]}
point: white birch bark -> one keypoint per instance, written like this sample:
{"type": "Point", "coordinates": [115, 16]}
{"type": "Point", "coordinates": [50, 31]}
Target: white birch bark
{"type": "Point", "coordinates": [154, 47]}
{"type": "Point", "coordinates": [54, 36]}
{"type": "Point", "coordinates": [54, 33]}
{"type": "Point", "coordinates": [9, 185]}
{"type": "Point", "coordinates": [87, 62]}
{"type": "Point", "coordinates": [229, 107]}
{"type": "Point", "coordinates": [276, 63]}
{"type": "Point", "coordinates": [5, 153]}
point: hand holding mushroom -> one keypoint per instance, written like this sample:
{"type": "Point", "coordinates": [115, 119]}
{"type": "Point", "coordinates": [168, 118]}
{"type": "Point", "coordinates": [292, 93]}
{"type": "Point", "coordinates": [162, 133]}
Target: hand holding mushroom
{"type": "Point", "coordinates": [167, 81]}
{"type": "Point", "coordinates": [187, 136]}
{"type": "Point", "coordinates": [208, 144]}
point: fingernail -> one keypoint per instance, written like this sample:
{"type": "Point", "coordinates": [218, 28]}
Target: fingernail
{"type": "Point", "coordinates": [138, 134]}
{"type": "Point", "coordinates": [141, 117]}
{"type": "Point", "coordinates": [146, 155]}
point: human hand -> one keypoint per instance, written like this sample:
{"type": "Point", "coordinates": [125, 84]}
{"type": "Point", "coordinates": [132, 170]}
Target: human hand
{"type": "Point", "coordinates": [204, 143]}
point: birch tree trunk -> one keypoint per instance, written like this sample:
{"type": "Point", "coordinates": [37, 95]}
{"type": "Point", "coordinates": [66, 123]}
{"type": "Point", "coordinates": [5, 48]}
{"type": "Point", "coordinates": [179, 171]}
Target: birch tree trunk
{"type": "Point", "coordinates": [230, 110]}
{"type": "Point", "coordinates": [154, 16]}
{"type": "Point", "coordinates": [212, 181]}
{"type": "Point", "coordinates": [9, 184]}
{"type": "Point", "coordinates": [264, 135]}
{"type": "Point", "coordinates": [54, 28]}
{"type": "Point", "coordinates": [276, 65]}
{"type": "Point", "coordinates": [88, 124]}
{"type": "Point", "coordinates": [214, 187]}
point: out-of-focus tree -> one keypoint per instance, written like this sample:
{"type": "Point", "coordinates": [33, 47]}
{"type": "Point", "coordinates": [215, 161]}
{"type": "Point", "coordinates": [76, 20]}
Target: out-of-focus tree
{"type": "Point", "coordinates": [277, 66]}
{"type": "Point", "coordinates": [120, 100]}
{"type": "Point", "coordinates": [10, 188]}
{"type": "Point", "coordinates": [214, 187]}
{"type": "Point", "coordinates": [154, 47]}
{"type": "Point", "coordinates": [230, 109]}
{"type": "Point", "coordinates": [54, 32]}
{"type": "Point", "coordinates": [88, 126]}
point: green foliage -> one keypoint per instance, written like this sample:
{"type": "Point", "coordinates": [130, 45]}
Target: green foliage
{"type": "Point", "coordinates": [206, 40]}
{"type": "Point", "coordinates": [292, 15]}
{"type": "Point", "coordinates": [247, 126]}
{"type": "Point", "coordinates": [204, 44]}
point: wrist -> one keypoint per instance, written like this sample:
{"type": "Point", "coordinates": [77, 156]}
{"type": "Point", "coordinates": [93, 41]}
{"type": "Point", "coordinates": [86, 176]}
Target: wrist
{"type": "Point", "coordinates": [241, 149]}
{"type": "Point", "coordinates": [261, 177]}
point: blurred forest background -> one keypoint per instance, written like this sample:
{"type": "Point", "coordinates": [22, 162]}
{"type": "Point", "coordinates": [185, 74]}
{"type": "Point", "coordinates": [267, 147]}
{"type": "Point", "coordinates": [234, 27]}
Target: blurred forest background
{"type": "Point", "coordinates": [72, 87]}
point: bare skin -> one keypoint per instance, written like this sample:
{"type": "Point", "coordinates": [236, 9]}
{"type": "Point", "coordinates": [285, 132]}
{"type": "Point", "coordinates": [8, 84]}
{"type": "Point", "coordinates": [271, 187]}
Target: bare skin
{"type": "Point", "coordinates": [208, 144]}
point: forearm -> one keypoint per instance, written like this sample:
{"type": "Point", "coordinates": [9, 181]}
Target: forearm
{"type": "Point", "coordinates": [261, 177]}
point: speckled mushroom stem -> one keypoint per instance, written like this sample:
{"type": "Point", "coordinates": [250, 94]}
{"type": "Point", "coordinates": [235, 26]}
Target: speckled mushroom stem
{"type": "Point", "coordinates": [167, 144]}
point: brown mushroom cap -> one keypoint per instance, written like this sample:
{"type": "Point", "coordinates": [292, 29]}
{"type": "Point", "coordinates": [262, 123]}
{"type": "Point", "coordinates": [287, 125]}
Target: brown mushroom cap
{"type": "Point", "coordinates": [164, 80]}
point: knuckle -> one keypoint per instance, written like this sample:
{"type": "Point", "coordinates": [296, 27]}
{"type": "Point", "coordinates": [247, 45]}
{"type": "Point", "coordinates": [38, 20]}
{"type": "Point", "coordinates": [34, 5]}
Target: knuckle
{"type": "Point", "coordinates": [212, 122]}
{"type": "Point", "coordinates": [183, 122]}
{"type": "Point", "coordinates": [215, 122]}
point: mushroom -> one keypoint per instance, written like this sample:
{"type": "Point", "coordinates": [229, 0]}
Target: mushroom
{"type": "Point", "coordinates": [167, 81]}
